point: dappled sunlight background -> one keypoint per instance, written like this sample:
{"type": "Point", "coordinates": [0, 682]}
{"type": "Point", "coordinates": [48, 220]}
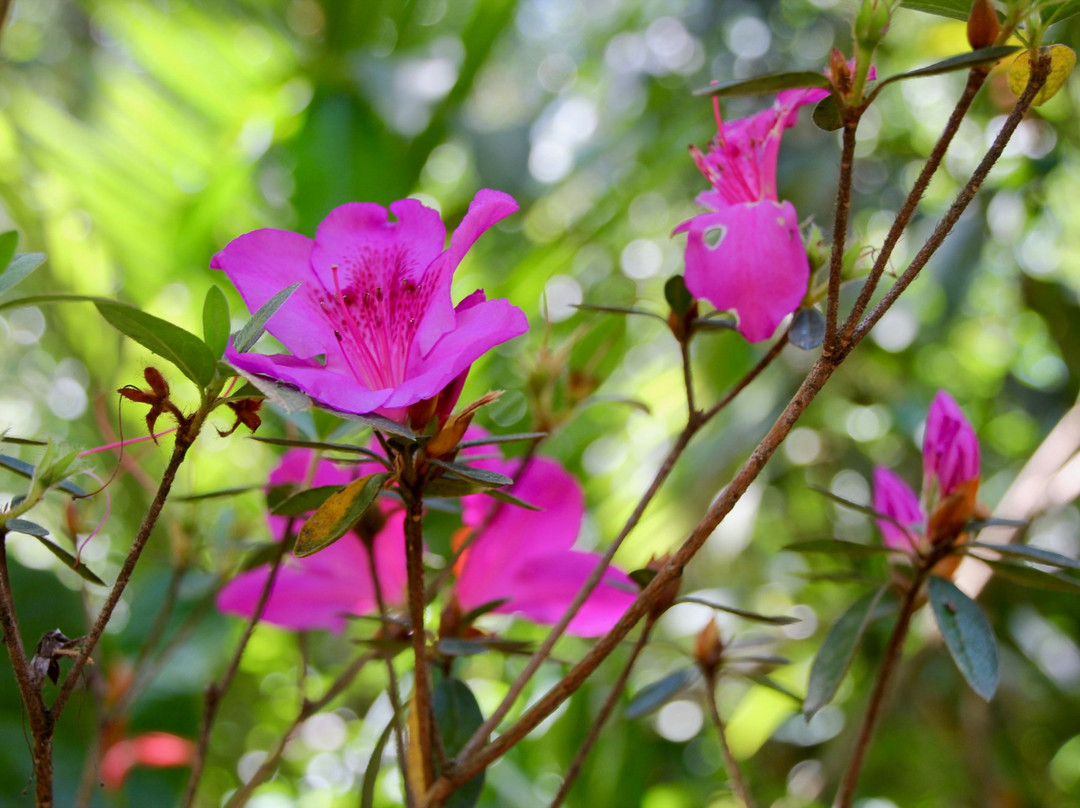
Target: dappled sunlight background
{"type": "Point", "coordinates": [138, 138]}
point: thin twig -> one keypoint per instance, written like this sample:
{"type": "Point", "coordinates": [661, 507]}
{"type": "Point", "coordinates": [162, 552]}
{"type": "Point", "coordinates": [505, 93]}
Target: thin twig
{"type": "Point", "coordinates": [976, 78]}
{"type": "Point", "coordinates": [732, 765]}
{"type": "Point", "coordinates": [605, 711]}
{"type": "Point", "coordinates": [843, 211]}
{"type": "Point", "coordinates": [846, 793]}
{"type": "Point", "coordinates": [694, 424]}
{"type": "Point", "coordinates": [414, 562]}
{"type": "Point", "coordinates": [216, 691]}
{"type": "Point", "coordinates": [392, 682]}
{"type": "Point", "coordinates": [307, 709]}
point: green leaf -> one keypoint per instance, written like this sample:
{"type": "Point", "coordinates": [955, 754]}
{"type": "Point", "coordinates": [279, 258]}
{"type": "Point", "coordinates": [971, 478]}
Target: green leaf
{"type": "Point", "coordinates": [807, 328]}
{"type": "Point", "coordinates": [643, 577]}
{"type": "Point", "coordinates": [967, 634]}
{"type": "Point", "coordinates": [455, 646]}
{"type": "Point", "coordinates": [451, 487]}
{"type": "Point", "coordinates": [837, 547]}
{"type": "Point", "coordinates": [1026, 552]}
{"type": "Point", "coordinates": [170, 342]}
{"type": "Point", "coordinates": [70, 561]}
{"type": "Point", "coordinates": [244, 339]}
{"type": "Point", "coordinates": [305, 501]}
{"type": "Point", "coordinates": [287, 398]}
{"type": "Point", "coordinates": [323, 447]}
{"type": "Point", "coordinates": [338, 514]}
{"type": "Point", "coordinates": [26, 527]}
{"type": "Point", "coordinates": [482, 477]}
{"type": "Point", "coordinates": [457, 717]}
{"type": "Point", "coordinates": [371, 774]}
{"type": "Point", "coordinates": [834, 658]}
{"type": "Point", "coordinates": [1037, 579]}
{"type": "Point", "coordinates": [960, 62]}
{"type": "Point", "coordinates": [471, 616]}
{"type": "Point", "coordinates": [772, 620]}
{"type": "Point", "coordinates": [1061, 11]}
{"type": "Point", "coordinates": [510, 499]}
{"type": "Point", "coordinates": [764, 85]}
{"type": "Point", "coordinates": [618, 310]}
{"type": "Point", "coordinates": [223, 492]}
{"type": "Point", "coordinates": [827, 114]}
{"type": "Point", "coordinates": [492, 439]}
{"type": "Point", "coordinates": [19, 268]}
{"type": "Point", "coordinates": [24, 469]}
{"type": "Point", "coordinates": [772, 684]}
{"type": "Point", "coordinates": [215, 321]}
{"type": "Point", "coordinates": [658, 693]}
{"type": "Point", "coordinates": [9, 240]}
{"type": "Point", "coordinates": [954, 9]}
{"type": "Point", "coordinates": [677, 295]}
{"type": "Point", "coordinates": [379, 423]}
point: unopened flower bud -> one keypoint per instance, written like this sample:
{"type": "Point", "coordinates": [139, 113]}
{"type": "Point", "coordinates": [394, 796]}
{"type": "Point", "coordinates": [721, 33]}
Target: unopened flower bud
{"type": "Point", "coordinates": [709, 648]}
{"type": "Point", "coordinates": [871, 22]}
{"type": "Point", "coordinates": [839, 72]}
{"type": "Point", "coordinates": [982, 25]}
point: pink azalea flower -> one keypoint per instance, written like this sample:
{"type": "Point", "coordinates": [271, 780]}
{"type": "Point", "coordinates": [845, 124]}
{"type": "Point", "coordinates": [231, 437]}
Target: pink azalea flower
{"type": "Point", "coordinates": [317, 591]}
{"type": "Point", "coordinates": [950, 481]}
{"type": "Point", "coordinates": [747, 254]}
{"type": "Point", "coordinates": [372, 328]}
{"type": "Point", "coordinates": [527, 557]}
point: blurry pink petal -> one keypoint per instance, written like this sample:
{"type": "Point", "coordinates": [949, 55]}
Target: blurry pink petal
{"type": "Point", "coordinates": [525, 556]}
{"type": "Point", "coordinates": [950, 448]}
{"type": "Point", "coordinates": [740, 162]}
{"type": "Point", "coordinates": [156, 749]}
{"type": "Point", "coordinates": [749, 259]}
{"type": "Point", "coordinates": [373, 325]}
{"type": "Point", "coordinates": [893, 498]}
{"type": "Point", "coordinates": [314, 592]}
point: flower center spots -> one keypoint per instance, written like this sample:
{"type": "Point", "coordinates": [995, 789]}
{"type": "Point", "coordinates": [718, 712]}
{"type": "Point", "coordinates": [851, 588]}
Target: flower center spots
{"type": "Point", "coordinates": [375, 308]}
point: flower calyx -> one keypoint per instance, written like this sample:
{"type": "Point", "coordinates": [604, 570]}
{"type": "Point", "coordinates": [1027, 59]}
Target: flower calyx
{"type": "Point", "coordinates": [246, 411]}
{"type": "Point", "coordinates": [158, 399]}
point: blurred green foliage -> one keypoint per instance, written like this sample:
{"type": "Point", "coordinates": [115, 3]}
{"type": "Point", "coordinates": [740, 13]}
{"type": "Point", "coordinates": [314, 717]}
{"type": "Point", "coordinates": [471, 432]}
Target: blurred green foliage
{"type": "Point", "coordinates": [137, 138]}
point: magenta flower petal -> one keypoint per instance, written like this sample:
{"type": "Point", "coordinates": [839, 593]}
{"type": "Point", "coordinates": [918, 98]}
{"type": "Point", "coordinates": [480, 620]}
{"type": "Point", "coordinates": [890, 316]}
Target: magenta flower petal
{"type": "Point", "coordinates": [374, 316]}
{"type": "Point", "coordinates": [893, 498]}
{"type": "Point", "coordinates": [262, 263]}
{"type": "Point", "coordinates": [547, 585]}
{"type": "Point", "coordinates": [314, 592]}
{"type": "Point", "coordinates": [749, 259]}
{"type": "Point", "coordinates": [487, 208]}
{"type": "Point", "coordinates": [526, 556]}
{"type": "Point", "coordinates": [479, 328]}
{"type": "Point", "coordinates": [950, 447]}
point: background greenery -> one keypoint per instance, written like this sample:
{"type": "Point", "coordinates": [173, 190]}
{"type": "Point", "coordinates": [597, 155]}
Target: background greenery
{"type": "Point", "coordinates": [137, 138]}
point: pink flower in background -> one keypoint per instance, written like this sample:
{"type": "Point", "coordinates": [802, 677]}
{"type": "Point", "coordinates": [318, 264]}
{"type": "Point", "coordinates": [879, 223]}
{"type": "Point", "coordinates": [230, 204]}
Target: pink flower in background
{"type": "Point", "coordinates": [950, 482]}
{"type": "Point", "coordinates": [316, 591]}
{"type": "Point", "coordinates": [527, 557]}
{"type": "Point", "coordinates": [747, 254]}
{"type": "Point", "coordinates": [524, 556]}
{"type": "Point", "coordinates": [372, 328]}
{"type": "Point", "coordinates": [154, 749]}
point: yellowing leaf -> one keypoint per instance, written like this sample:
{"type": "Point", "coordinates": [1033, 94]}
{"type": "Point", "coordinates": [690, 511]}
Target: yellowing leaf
{"type": "Point", "coordinates": [1062, 61]}
{"type": "Point", "coordinates": [338, 514]}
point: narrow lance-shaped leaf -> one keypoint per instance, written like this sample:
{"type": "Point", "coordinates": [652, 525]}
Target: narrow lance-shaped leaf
{"type": "Point", "coordinates": [24, 469]}
{"type": "Point", "coordinates": [70, 561]}
{"type": "Point", "coordinates": [773, 620]}
{"type": "Point", "coordinates": [215, 316]}
{"type": "Point", "coordinates": [483, 477]}
{"type": "Point", "coordinates": [837, 547]}
{"type": "Point", "coordinates": [1037, 579]}
{"type": "Point", "coordinates": [305, 501]}
{"type": "Point", "coordinates": [338, 514]}
{"type": "Point", "coordinates": [1027, 552]}
{"type": "Point", "coordinates": [19, 268]}
{"type": "Point", "coordinates": [954, 9]}
{"type": "Point", "coordinates": [834, 658]}
{"type": "Point", "coordinates": [967, 634]}
{"type": "Point", "coordinates": [961, 62]}
{"type": "Point", "coordinates": [764, 85]}
{"type": "Point", "coordinates": [170, 342]}
{"type": "Point", "coordinates": [9, 240]}
{"type": "Point", "coordinates": [244, 339]}
{"type": "Point", "coordinates": [457, 717]}
{"type": "Point", "coordinates": [371, 774]}
{"type": "Point", "coordinates": [660, 692]}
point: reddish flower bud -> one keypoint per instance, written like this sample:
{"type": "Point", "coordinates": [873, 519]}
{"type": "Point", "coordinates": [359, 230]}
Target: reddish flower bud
{"type": "Point", "coordinates": [709, 648]}
{"type": "Point", "coordinates": [982, 25]}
